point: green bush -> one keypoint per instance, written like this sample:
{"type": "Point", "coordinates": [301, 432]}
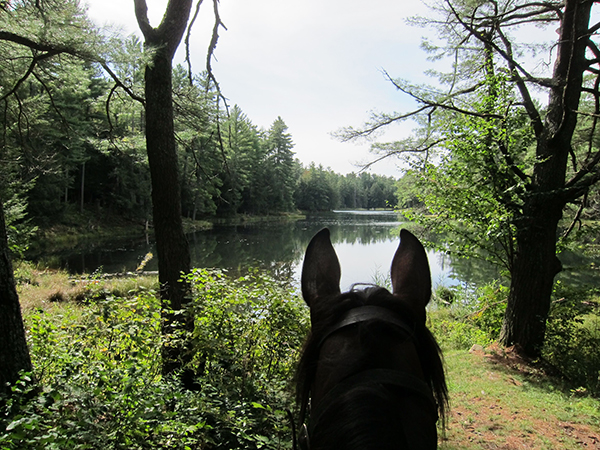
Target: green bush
{"type": "Point", "coordinates": [573, 336]}
{"type": "Point", "coordinates": [247, 339]}
{"type": "Point", "coordinates": [490, 307]}
{"type": "Point", "coordinates": [467, 316]}
{"type": "Point", "coordinates": [454, 333]}
{"type": "Point", "coordinates": [99, 383]}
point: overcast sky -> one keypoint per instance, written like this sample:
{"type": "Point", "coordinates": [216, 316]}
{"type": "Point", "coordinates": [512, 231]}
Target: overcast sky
{"type": "Point", "coordinates": [316, 63]}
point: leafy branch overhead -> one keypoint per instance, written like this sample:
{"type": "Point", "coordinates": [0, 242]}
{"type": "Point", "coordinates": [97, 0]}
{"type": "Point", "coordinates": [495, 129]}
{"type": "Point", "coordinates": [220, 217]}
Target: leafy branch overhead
{"type": "Point", "coordinates": [482, 35]}
{"type": "Point", "coordinates": [32, 28]}
{"type": "Point", "coordinates": [503, 142]}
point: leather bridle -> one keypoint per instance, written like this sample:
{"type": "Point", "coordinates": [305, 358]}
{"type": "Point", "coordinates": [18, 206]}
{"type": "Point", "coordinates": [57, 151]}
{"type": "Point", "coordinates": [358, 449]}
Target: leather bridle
{"type": "Point", "coordinates": [377, 378]}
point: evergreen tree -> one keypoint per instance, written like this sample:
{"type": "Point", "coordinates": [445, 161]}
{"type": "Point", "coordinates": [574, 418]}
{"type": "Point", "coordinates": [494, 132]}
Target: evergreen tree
{"type": "Point", "coordinates": [280, 167]}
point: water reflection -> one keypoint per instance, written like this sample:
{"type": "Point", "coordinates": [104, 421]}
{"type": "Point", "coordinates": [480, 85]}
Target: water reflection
{"type": "Point", "coordinates": [365, 243]}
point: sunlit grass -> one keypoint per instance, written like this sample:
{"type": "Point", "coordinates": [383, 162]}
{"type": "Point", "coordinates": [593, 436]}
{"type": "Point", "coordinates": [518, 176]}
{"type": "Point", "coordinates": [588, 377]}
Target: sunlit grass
{"type": "Point", "coordinates": [53, 290]}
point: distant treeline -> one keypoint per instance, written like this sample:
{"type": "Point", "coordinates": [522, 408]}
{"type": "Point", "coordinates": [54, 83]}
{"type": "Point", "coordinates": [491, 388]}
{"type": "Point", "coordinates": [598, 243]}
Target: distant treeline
{"type": "Point", "coordinates": [72, 143]}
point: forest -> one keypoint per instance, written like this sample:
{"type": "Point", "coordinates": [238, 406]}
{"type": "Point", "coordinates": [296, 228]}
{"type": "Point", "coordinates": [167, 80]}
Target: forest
{"type": "Point", "coordinates": [72, 144]}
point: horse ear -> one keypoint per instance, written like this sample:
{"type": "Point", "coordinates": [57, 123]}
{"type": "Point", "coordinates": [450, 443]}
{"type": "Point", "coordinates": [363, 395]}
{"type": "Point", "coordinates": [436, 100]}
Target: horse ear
{"type": "Point", "coordinates": [321, 269]}
{"type": "Point", "coordinates": [410, 271]}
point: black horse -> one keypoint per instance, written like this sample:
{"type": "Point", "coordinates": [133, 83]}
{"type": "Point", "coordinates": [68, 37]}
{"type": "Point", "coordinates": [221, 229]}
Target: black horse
{"type": "Point", "coordinates": [371, 374]}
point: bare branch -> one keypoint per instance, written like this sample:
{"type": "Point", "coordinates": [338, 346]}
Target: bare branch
{"type": "Point", "coordinates": [421, 147]}
{"type": "Point", "coordinates": [107, 108]}
{"type": "Point", "coordinates": [187, 41]}
{"type": "Point", "coordinates": [577, 218]}
{"type": "Point", "coordinates": [211, 50]}
{"type": "Point", "coordinates": [51, 98]}
{"type": "Point", "coordinates": [348, 134]}
{"type": "Point", "coordinates": [34, 61]}
{"type": "Point", "coordinates": [120, 84]}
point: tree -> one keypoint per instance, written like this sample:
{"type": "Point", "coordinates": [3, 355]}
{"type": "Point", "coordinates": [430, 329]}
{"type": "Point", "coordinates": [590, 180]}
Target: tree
{"type": "Point", "coordinates": [281, 166]}
{"type": "Point", "coordinates": [33, 35]}
{"type": "Point", "coordinates": [200, 158]}
{"type": "Point", "coordinates": [531, 161]}
{"type": "Point", "coordinates": [316, 190]}
{"type": "Point", "coordinates": [171, 243]}
{"type": "Point", "coordinates": [14, 354]}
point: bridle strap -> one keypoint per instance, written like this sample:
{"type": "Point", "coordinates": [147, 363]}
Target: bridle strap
{"type": "Point", "coordinates": [373, 378]}
{"type": "Point", "coordinates": [365, 313]}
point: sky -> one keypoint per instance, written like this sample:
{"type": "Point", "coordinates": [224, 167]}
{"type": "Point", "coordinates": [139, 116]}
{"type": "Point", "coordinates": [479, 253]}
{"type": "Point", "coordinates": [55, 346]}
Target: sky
{"type": "Point", "coordinates": [317, 64]}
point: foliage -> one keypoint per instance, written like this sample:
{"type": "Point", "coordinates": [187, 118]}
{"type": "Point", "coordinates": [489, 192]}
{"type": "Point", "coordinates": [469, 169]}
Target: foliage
{"type": "Point", "coordinates": [465, 317]}
{"type": "Point", "coordinates": [98, 365]}
{"type": "Point", "coordinates": [98, 368]}
{"type": "Point", "coordinates": [474, 317]}
{"type": "Point", "coordinates": [19, 229]}
{"type": "Point", "coordinates": [451, 318]}
{"type": "Point", "coordinates": [489, 308]}
{"type": "Point", "coordinates": [573, 336]}
{"type": "Point", "coordinates": [247, 337]}
{"type": "Point", "coordinates": [321, 189]}
{"type": "Point", "coordinates": [497, 168]}
{"type": "Point", "coordinates": [73, 137]}
{"type": "Point", "coordinates": [455, 334]}
{"type": "Point", "coordinates": [470, 193]}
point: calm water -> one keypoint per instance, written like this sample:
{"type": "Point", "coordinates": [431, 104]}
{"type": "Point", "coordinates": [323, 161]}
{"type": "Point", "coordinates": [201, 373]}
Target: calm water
{"type": "Point", "coordinates": [365, 242]}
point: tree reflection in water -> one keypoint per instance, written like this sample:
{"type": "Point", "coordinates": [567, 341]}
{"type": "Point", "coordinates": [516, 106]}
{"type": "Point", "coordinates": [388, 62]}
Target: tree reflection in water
{"type": "Point", "coordinates": [365, 241]}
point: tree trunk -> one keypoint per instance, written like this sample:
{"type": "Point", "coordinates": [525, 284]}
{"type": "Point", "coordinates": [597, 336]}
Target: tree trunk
{"type": "Point", "coordinates": [171, 243]}
{"type": "Point", "coordinates": [14, 354]}
{"type": "Point", "coordinates": [82, 187]}
{"type": "Point", "coordinates": [534, 269]}
{"type": "Point", "coordinates": [535, 263]}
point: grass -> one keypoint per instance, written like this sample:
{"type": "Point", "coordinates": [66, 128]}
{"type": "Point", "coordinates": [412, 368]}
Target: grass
{"type": "Point", "coordinates": [498, 400]}
{"type": "Point", "coordinates": [53, 290]}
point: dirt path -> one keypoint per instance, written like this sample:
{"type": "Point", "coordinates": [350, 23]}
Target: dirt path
{"type": "Point", "coordinates": [498, 401]}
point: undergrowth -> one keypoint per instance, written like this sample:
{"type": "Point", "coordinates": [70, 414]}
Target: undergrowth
{"type": "Point", "coordinates": [462, 317]}
{"type": "Point", "coordinates": [98, 372]}
{"type": "Point", "coordinates": [98, 383]}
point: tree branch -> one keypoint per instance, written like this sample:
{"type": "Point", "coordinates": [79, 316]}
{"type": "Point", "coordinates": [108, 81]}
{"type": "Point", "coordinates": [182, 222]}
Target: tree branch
{"type": "Point", "coordinates": [211, 50]}
{"type": "Point", "coordinates": [532, 112]}
{"type": "Point", "coordinates": [120, 84]}
{"type": "Point", "coordinates": [187, 42]}
{"type": "Point", "coordinates": [422, 147]}
{"type": "Point", "coordinates": [577, 215]}
{"type": "Point", "coordinates": [39, 46]}
{"type": "Point", "coordinates": [545, 82]}
{"type": "Point", "coordinates": [141, 14]}
{"type": "Point", "coordinates": [34, 61]}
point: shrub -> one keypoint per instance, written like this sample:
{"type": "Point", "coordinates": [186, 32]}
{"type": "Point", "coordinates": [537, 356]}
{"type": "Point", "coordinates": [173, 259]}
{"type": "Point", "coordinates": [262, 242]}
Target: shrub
{"type": "Point", "coordinates": [454, 333]}
{"type": "Point", "coordinates": [98, 369]}
{"type": "Point", "coordinates": [490, 307]}
{"type": "Point", "coordinates": [573, 336]}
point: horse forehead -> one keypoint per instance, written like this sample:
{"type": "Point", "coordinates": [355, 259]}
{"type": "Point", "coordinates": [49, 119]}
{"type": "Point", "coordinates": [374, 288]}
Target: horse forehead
{"type": "Point", "coordinates": [347, 352]}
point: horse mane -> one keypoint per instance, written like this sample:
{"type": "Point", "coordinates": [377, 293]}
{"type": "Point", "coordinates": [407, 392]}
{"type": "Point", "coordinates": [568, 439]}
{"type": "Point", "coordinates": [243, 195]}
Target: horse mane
{"type": "Point", "coordinates": [329, 312]}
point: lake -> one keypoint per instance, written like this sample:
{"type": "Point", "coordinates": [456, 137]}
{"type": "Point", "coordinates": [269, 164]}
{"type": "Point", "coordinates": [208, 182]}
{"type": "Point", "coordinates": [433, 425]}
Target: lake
{"type": "Point", "coordinates": [365, 242]}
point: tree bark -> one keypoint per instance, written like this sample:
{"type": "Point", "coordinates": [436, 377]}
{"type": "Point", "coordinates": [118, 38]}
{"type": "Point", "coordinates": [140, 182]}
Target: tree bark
{"type": "Point", "coordinates": [171, 243]}
{"type": "Point", "coordinates": [534, 268]}
{"type": "Point", "coordinates": [14, 354]}
{"type": "Point", "coordinates": [536, 263]}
